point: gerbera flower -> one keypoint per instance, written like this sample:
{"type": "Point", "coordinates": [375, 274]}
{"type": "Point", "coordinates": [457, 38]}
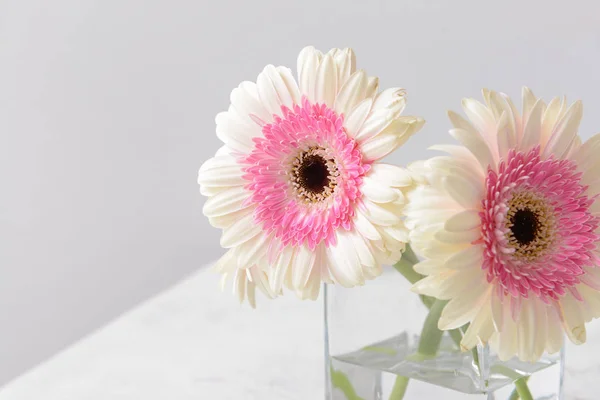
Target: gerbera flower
{"type": "Point", "coordinates": [507, 224]}
{"type": "Point", "coordinates": [297, 188]}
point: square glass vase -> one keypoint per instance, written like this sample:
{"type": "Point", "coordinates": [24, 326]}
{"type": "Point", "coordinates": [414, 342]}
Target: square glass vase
{"type": "Point", "coordinates": [372, 334]}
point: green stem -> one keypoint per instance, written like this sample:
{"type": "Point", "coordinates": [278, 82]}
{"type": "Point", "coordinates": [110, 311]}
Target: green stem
{"type": "Point", "coordinates": [456, 336]}
{"type": "Point", "coordinates": [514, 395]}
{"type": "Point", "coordinates": [409, 255]}
{"type": "Point", "coordinates": [399, 388]}
{"type": "Point", "coordinates": [523, 389]}
{"type": "Point", "coordinates": [431, 336]}
{"type": "Point", "coordinates": [405, 267]}
{"type": "Point", "coordinates": [340, 381]}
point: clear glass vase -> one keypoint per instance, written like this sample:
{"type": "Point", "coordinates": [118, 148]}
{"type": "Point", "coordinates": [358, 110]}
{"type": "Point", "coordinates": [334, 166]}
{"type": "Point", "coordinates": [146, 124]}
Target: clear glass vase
{"type": "Point", "coordinates": [582, 366]}
{"type": "Point", "coordinates": [372, 334]}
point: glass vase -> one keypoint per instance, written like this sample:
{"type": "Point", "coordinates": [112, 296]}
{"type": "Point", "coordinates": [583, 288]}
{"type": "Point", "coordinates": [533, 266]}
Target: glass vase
{"type": "Point", "coordinates": [582, 366]}
{"type": "Point", "coordinates": [372, 334]}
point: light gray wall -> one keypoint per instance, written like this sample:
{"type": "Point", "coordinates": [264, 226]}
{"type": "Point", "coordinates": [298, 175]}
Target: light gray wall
{"type": "Point", "coordinates": [107, 110]}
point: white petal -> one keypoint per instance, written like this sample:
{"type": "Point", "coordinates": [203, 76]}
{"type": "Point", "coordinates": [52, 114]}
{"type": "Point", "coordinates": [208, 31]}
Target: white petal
{"type": "Point", "coordinates": [390, 175]}
{"type": "Point", "coordinates": [251, 251]}
{"type": "Point", "coordinates": [508, 339]}
{"type": "Point", "coordinates": [322, 263]}
{"type": "Point", "coordinates": [448, 283]}
{"type": "Point", "coordinates": [310, 290]}
{"type": "Point", "coordinates": [245, 101]}
{"type": "Point", "coordinates": [392, 98]}
{"type": "Point", "coordinates": [482, 119]}
{"type": "Point", "coordinates": [529, 101]}
{"type": "Point", "coordinates": [364, 252]}
{"type": "Point", "coordinates": [221, 171]}
{"type": "Point", "coordinates": [507, 125]}
{"type": "Point", "coordinates": [505, 134]}
{"type": "Point", "coordinates": [352, 93]}
{"type": "Point", "coordinates": [235, 132]}
{"type": "Point", "coordinates": [470, 257]}
{"type": "Point", "coordinates": [565, 131]}
{"type": "Point", "coordinates": [497, 311]}
{"type": "Point", "coordinates": [378, 192]}
{"type": "Point", "coordinates": [464, 308]}
{"type": "Point", "coordinates": [550, 118]}
{"type": "Point", "coordinates": [241, 231]}
{"type": "Point", "coordinates": [555, 336]}
{"type": "Point", "coordinates": [372, 86]}
{"type": "Point", "coordinates": [460, 123]}
{"type": "Point", "coordinates": [393, 136]}
{"type": "Point", "coordinates": [239, 285]}
{"type": "Point", "coordinates": [463, 221]}
{"type": "Point", "coordinates": [591, 277]}
{"type": "Point", "coordinates": [326, 83]}
{"type": "Point", "coordinates": [365, 227]}
{"type": "Point", "coordinates": [398, 232]}
{"type": "Point", "coordinates": [463, 237]}
{"type": "Point", "coordinates": [227, 263]}
{"type": "Point", "coordinates": [291, 86]}
{"type": "Point", "coordinates": [268, 92]}
{"type": "Point", "coordinates": [572, 318]}
{"type": "Point", "coordinates": [387, 107]}
{"type": "Point", "coordinates": [346, 65]}
{"type": "Point", "coordinates": [476, 145]}
{"type": "Point", "coordinates": [464, 169]}
{"type": "Point", "coordinates": [279, 269]}
{"type": "Point", "coordinates": [251, 294]}
{"type": "Point", "coordinates": [226, 220]}
{"type": "Point", "coordinates": [225, 202]}
{"type": "Point", "coordinates": [260, 279]}
{"type": "Point", "coordinates": [357, 117]}
{"type": "Point", "coordinates": [428, 267]}
{"type": "Point", "coordinates": [308, 63]}
{"type": "Point", "coordinates": [480, 327]}
{"type": "Point", "coordinates": [466, 193]}
{"type": "Point", "coordinates": [541, 328]}
{"type": "Point", "coordinates": [380, 215]}
{"type": "Point", "coordinates": [587, 155]}
{"type": "Point", "coordinates": [526, 331]}
{"type": "Point", "coordinates": [343, 267]}
{"type": "Point", "coordinates": [302, 265]}
{"type": "Point", "coordinates": [533, 127]}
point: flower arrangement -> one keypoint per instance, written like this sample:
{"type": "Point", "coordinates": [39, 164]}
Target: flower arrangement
{"type": "Point", "coordinates": [504, 226]}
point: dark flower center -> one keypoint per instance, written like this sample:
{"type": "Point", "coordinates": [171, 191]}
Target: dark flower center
{"type": "Point", "coordinates": [524, 226]}
{"type": "Point", "coordinates": [531, 225]}
{"type": "Point", "coordinates": [313, 174]}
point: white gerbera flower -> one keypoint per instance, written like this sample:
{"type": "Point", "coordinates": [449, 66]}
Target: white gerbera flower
{"type": "Point", "coordinates": [508, 226]}
{"type": "Point", "coordinates": [297, 187]}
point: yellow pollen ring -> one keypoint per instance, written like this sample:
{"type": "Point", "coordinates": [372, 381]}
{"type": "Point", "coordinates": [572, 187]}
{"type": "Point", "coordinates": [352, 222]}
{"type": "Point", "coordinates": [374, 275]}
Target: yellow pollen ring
{"type": "Point", "coordinates": [545, 225]}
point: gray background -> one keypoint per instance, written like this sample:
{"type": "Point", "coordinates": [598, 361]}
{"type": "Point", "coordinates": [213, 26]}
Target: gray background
{"type": "Point", "coordinates": [107, 110]}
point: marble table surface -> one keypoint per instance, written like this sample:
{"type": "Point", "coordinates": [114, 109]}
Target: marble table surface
{"type": "Point", "coordinates": [194, 342]}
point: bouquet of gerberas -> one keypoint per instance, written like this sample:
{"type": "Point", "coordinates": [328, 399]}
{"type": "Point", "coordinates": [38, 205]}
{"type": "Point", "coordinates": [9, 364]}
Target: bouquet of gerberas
{"type": "Point", "coordinates": [504, 228]}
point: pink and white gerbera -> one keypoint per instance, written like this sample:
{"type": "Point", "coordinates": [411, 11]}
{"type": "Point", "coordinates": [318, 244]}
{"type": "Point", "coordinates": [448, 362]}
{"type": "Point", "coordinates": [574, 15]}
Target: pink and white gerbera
{"type": "Point", "coordinates": [508, 223]}
{"type": "Point", "coordinates": [298, 188]}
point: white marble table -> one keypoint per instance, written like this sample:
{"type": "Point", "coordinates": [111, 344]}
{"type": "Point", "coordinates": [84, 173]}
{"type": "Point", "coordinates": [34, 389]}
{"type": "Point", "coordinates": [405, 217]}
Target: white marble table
{"type": "Point", "coordinates": [194, 342]}
{"type": "Point", "coordinates": [190, 342]}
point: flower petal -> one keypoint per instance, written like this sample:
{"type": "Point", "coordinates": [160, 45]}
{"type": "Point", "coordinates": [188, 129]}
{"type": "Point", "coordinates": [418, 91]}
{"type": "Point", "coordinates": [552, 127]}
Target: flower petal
{"type": "Point", "coordinates": [352, 93]}
{"type": "Point", "coordinates": [242, 230]}
{"type": "Point", "coordinates": [565, 131]}
{"type": "Point", "coordinates": [393, 136]}
{"type": "Point", "coordinates": [308, 63]}
{"type": "Point", "coordinates": [326, 82]}
{"type": "Point", "coordinates": [357, 117]}
{"type": "Point", "coordinates": [463, 221]}
{"type": "Point", "coordinates": [533, 127]}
